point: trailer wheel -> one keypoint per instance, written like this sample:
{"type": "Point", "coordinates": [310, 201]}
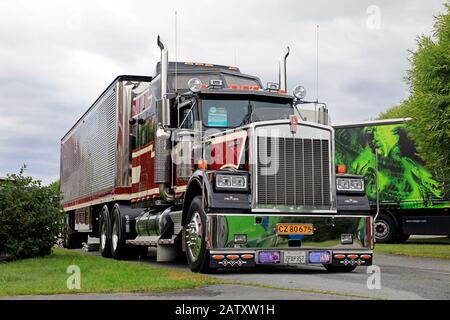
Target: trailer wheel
{"type": "Point", "coordinates": [339, 269]}
{"type": "Point", "coordinates": [195, 232]}
{"type": "Point", "coordinates": [118, 246]}
{"type": "Point", "coordinates": [105, 233]}
{"type": "Point", "coordinates": [385, 229]}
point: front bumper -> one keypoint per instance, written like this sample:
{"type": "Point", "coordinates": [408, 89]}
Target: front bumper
{"type": "Point", "coordinates": [264, 245]}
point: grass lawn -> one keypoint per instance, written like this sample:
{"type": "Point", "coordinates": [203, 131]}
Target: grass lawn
{"type": "Point", "coordinates": [429, 248]}
{"type": "Point", "coordinates": [48, 275]}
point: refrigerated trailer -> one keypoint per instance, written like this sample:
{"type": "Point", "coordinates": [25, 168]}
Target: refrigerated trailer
{"type": "Point", "coordinates": [202, 161]}
{"type": "Point", "coordinates": [413, 200]}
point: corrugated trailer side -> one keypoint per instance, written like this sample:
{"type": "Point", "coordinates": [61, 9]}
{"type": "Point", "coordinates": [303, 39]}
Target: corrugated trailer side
{"type": "Point", "coordinates": [95, 153]}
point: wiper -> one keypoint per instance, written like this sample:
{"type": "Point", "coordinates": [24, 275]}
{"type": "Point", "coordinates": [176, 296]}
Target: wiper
{"type": "Point", "coordinates": [248, 116]}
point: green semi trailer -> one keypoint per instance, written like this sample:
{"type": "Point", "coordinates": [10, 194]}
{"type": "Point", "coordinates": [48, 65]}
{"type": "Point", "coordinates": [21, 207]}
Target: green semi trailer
{"type": "Point", "coordinates": [412, 199]}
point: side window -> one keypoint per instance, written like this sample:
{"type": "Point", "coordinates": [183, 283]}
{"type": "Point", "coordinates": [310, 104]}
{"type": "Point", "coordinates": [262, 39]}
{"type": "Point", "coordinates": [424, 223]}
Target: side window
{"type": "Point", "coordinates": [187, 118]}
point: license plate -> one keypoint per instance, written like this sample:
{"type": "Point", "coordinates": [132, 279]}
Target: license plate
{"type": "Point", "coordinates": [269, 256]}
{"type": "Point", "coordinates": [294, 257]}
{"type": "Point", "coordinates": [295, 228]}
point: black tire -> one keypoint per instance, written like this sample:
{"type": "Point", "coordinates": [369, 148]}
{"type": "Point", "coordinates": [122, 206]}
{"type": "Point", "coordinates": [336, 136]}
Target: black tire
{"type": "Point", "coordinates": [339, 269]}
{"type": "Point", "coordinates": [402, 238]}
{"type": "Point", "coordinates": [105, 233]}
{"type": "Point", "coordinates": [196, 254]}
{"type": "Point", "coordinates": [118, 247]}
{"type": "Point", "coordinates": [385, 229]}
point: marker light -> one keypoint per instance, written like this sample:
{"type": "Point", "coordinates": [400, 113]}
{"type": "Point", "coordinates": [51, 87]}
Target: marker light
{"type": "Point", "coordinates": [195, 85]}
{"type": "Point", "coordinates": [202, 164]}
{"type": "Point", "coordinates": [299, 92]}
{"type": "Point", "coordinates": [233, 86]}
{"type": "Point", "coordinates": [341, 168]}
{"type": "Point", "coordinates": [245, 87]}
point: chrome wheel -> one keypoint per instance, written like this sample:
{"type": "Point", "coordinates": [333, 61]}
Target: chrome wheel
{"type": "Point", "coordinates": [194, 236]}
{"type": "Point", "coordinates": [103, 235]}
{"type": "Point", "coordinates": [381, 229]}
{"type": "Point", "coordinates": [115, 236]}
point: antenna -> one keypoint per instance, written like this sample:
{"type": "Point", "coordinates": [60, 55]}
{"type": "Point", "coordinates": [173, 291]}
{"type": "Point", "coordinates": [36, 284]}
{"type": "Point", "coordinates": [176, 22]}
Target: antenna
{"type": "Point", "coordinates": [317, 64]}
{"type": "Point", "coordinates": [176, 51]}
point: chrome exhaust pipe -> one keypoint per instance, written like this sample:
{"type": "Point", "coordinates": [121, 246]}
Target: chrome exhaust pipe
{"type": "Point", "coordinates": [282, 69]}
{"type": "Point", "coordinates": [163, 164]}
{"type": "Point", "coordinates": [164, 65]}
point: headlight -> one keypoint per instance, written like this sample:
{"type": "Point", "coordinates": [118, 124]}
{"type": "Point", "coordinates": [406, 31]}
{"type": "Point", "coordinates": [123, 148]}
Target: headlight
{"type": "Point", "coordinates": [195, 85]}
{"type": "Point", "coordinates": [346, 184]}
{"type": "Point", "coordinates": [228, 181]}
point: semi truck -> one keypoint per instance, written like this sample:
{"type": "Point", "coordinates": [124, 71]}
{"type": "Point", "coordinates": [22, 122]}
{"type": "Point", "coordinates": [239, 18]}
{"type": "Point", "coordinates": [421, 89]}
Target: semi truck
{"type": "Point", "coordinates": [203, 162]}
{"type": "Point", "coordinates": [412, 200]}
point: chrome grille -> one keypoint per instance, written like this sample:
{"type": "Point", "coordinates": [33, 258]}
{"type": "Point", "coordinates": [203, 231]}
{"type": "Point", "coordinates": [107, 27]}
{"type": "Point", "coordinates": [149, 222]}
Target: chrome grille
{"type": "Point", "coordinates": [293, 172]}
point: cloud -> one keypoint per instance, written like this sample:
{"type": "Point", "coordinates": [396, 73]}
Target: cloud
{"type": "Point", "coordinates": [57, 56]}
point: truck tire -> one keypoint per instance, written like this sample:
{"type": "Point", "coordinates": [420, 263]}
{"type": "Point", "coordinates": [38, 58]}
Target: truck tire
{"type": "Point", "coordinates": [119, 249]}
{"type": "Point", "coordinates": [385, 229]}
{"type": "Point", "coordinates": [105, 233]}
{"type": "Point", "coordinates": [339, 269]}
{"type": "Point", "coordinates": [195, 231]}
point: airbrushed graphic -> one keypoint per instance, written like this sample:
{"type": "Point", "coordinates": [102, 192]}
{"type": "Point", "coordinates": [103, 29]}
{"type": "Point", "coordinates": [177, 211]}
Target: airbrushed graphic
{"type": "Point", "coordinates": [404, 179]}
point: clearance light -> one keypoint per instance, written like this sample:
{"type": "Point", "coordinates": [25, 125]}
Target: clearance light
{"type": "Point", "coordinates": [218, 257]}
{"type": "Point", "coordinates": [281, 91]}
{"type": "Point", "coordinates": [247, 256]}
{"type": "Point", "coordinates": [233, 86]}
{"type": "Point", "coordinates": [352, 256]}
{"type": "Point", "coordinates": [245, 87]}
{"type": "Point", "coordinates": [202, 164]}
{"type": "Point", "coordinates": [204, 86]}
{"type": "Point", "coordinates": [339, 256]}
{"type": "Point", "coordinates": [365, 257]}
{"type": "Point", "coordinates": [232, 256]}
{"type": "Point", "coordinates": [341, 168]}
{"type": "Point", "coordinates": [255, 87]}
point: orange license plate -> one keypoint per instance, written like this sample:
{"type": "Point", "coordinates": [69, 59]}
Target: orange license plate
{"type": "Point", "coordinates": [295, 228]}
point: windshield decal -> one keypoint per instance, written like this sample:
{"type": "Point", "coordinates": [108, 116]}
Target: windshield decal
{"type": "Point", "coordinates": [217, 117]}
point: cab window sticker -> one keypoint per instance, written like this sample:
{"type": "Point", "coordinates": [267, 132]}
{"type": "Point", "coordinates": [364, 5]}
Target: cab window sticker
{"type": "Point", "coordinates": [217, 117]}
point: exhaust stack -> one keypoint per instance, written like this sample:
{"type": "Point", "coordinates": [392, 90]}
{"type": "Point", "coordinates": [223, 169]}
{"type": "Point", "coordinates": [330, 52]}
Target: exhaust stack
{"type": "Point", "coordinates": [163, 164]}
{"type": "Point", "coordinates": [282, 69]}
{"type": "Point", "coordinates": [164, 66]}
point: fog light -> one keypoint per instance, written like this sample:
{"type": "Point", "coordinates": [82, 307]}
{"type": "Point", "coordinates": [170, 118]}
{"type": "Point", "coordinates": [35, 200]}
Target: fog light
{"type": "Point", "coordinates": [346, 238]}
{"type": "Point", "coordinates": [240, 238]}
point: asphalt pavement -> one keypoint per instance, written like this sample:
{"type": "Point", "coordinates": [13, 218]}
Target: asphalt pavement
{"type": "Point", "coordinates": [399, 278]}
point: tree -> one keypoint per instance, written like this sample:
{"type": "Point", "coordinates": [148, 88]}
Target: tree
{"type": "Point", "coordinates": [30, 219]}
{"type": "Point", "coordinates": [429, 101]}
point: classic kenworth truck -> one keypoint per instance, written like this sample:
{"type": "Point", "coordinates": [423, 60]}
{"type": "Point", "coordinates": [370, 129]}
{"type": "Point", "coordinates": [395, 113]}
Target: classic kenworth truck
{"type": "Point", "coordinates": [201, 161]}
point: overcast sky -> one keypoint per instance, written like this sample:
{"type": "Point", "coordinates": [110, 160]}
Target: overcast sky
{"type": "Point", "coordinates": [57, 56]}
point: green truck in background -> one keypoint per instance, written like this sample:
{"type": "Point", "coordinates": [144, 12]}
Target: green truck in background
{"type": "Point", "coordinates": [412, 199]}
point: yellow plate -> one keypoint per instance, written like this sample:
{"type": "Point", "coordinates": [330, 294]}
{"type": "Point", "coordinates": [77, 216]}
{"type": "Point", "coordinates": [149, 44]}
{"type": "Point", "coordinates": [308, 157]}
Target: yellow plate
{"type": "Point", "coordinates": [295, 228]}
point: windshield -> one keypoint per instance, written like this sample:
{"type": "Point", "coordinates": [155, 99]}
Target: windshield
{"type": "Point", "coordinates": [234, 113]}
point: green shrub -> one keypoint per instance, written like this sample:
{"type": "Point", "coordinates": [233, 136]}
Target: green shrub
{"type": "Point", "coordinates": [30, 219]}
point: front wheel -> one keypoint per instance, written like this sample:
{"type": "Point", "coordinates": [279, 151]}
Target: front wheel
{"type": "Point", "coordinates": [195, 236]}
{"type": "Point", "coordinates": [339, 269]}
